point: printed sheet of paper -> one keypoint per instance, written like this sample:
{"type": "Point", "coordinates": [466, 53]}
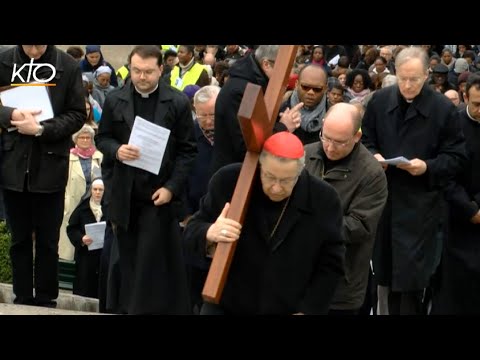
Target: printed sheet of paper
{"type": "Point", "coordinates": [152, 140]}
{"type": "Point", "coordinates": [396, 161]}
{"type": "Point", "coordinates": [29, 97]}
{"type": "Point", "coordinates": [97, 232]}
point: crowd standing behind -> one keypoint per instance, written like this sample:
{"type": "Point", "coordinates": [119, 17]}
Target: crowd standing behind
{"type": "Point", "coordinates": [425, 94]}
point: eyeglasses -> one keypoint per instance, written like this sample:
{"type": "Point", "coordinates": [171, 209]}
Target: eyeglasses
{"type": "Point", "coordinates": [139, 72]}
{"type": "Point", "coordinates": [335, 143]}
{"type": "Point", "coordinates": [307, 88]}
{"type": "Point", "coordinates": [413, 80]}
{"type": "Point", "coordinates": [84, 138]}
{"type": "Point", "coordinates": [273, 179]}
{"type": "Point", "coordinates": [205, 116]}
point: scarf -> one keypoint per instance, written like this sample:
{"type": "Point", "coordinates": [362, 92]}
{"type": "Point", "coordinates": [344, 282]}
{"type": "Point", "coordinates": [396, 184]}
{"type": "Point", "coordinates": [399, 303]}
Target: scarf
{"type": "Point", "coordinates": [83, 153]}
{"type": "Point", "coordinates": [311, 118]}
{"type": "Point", "coordinates": [96, 209]}
{"type": "Point", "coordinates": [185, 68]}
{"type": "Point", "coordinates": [358, 95]}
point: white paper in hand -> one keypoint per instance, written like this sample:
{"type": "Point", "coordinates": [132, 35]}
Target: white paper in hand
{"type": "Point", "coordinates": [396, 161]}
{"type": "Point", "coordinates": [96, 231]}
{"type": "Point", "coordinates": [152, 140]}
{"type": "Point", "coordinates": [29, 98]}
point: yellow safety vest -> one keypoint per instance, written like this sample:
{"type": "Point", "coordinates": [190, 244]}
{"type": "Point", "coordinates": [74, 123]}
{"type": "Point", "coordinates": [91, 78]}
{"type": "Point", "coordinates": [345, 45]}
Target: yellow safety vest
{"type": "Point", "coordinates": [190, 78]}
{"type": "Point", "coordinates": [169, 47]}
{"type": "Point", "coordinates": [123, 72]}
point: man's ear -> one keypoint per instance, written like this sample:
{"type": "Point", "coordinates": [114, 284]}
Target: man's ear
{"type": "Point", "coordinates": [265, 64]}
{"type": "Point", "coordinates": [357, 136]}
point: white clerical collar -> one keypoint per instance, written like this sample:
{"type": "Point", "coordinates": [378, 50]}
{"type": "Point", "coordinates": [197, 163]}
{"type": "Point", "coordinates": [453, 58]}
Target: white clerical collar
{"type": "Point", "coordinates": [470, 116]}
{"type": "Point", "coordinates": [146, 95]}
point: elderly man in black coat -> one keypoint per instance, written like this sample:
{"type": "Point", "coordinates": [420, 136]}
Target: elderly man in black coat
{"type": "Point", "coordinates": [290, 251]}
{"type": "Point", "coordinates": [412, 120]}
{"type": "Point", "coordinates": [34, 167]}
{"type": "Point", "coordinates": [140, 203]}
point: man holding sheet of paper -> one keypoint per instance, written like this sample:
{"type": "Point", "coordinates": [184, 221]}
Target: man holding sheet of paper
{"type": "Point", "coordinates": [34, 167]}
{"type": "Point", "coordinates": [411, 120]}
{"type": "Point", "coordinates": [150, 168]}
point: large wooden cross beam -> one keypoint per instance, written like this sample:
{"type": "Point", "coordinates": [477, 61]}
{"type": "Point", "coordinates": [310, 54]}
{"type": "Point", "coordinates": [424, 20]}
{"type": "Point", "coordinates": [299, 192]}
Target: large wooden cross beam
{"type": "Point", "coordinates": [257, 116]}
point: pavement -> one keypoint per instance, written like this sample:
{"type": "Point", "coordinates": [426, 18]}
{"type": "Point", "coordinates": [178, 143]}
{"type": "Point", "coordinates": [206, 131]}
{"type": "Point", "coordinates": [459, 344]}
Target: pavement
{"type": "Point", "coordinates": [67, 304]}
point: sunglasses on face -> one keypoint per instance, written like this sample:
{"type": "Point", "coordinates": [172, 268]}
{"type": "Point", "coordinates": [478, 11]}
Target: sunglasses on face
{"type": "Point", "coordinates": [307, 88]}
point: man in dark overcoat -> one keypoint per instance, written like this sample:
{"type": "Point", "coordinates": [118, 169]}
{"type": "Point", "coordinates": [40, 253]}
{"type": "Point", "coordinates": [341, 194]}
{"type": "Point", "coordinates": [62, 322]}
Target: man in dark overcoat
{"type": "Point", "coordinates": [411, 120]}
{"type": "Point", "coordinates": [255, 68]}
{"type": "Point", "coordinates": [459, 292]}
{"type": "Point", "coordinates": [34, 167]}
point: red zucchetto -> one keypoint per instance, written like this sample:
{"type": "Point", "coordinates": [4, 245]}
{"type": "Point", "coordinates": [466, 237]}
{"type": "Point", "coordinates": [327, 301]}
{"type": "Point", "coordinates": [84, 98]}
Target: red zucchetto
{"type": "Point", "coordinates": [284, 144]}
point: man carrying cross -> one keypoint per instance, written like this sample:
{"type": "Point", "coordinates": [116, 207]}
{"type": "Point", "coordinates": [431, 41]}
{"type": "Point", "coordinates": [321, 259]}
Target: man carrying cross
{"type": "Point", "coordinates": [256, 68]}
{"type": "Point", "coordinates": [290, 252]}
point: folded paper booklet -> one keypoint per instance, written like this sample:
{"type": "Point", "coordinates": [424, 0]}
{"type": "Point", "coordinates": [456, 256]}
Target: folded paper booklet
{"type": "Point", "coordinates": [396, 161]}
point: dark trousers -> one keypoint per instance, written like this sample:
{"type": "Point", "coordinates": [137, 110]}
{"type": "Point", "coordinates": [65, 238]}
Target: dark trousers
{"type": "Point", "coordinates": [370, 303]}
{"type": "Point", "coordinates": [196, 279]}
{"type": "Point", "coordinates": [405, 303]}
{"type": "Point", "coordinates": [103, 271]}
{"type": "Point", "coordinates": [41, 214]}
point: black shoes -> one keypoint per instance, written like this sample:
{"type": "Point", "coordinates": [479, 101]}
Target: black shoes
{"type": "Point", "coordinates": [23, 300]}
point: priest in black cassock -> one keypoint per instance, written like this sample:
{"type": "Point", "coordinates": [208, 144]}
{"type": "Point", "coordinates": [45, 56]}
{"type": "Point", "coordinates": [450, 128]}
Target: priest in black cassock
{"type": "Point", "coordinates": [153, 278]}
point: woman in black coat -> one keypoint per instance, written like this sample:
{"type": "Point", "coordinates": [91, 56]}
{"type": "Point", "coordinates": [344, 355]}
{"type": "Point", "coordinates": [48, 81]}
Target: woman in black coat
{"type": "Point", "coordinates": [87, 262]}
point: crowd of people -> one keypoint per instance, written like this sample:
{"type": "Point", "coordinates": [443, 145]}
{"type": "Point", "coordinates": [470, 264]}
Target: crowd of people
{"type": "Point", "coordinates": [336, 223]}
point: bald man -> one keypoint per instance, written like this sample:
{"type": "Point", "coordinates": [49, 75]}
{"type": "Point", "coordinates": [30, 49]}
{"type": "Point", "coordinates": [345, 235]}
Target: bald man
{"type": "Point", "coordinates": [453, 96]}
{"type": "Point", "coordinates": [340, 159]}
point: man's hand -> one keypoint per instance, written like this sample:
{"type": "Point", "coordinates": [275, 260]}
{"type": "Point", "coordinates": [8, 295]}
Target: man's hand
{"type": "Point", "coordinates": [379, 157]}
{"type": "Point", "coordinates": [162, 196]}
{"type": "Point", "coordinates": [25, 122]}
{"type": "Point", "coordinates": [128, 152]}
{"type": "Point", "coordinates": [223, 229]}
{"type": "Point", "coordinates": [292, 118]}
{"type": "Point", "coordinates": [476, 218]}
{"type": "Point", "coordinates": [416, 167]}
{"type": "Point", "coordinates": [87, 240]}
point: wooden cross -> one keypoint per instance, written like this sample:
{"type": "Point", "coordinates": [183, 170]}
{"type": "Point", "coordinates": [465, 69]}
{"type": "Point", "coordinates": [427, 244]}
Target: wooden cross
{"type": "Point", "coordinates": [257, 115]}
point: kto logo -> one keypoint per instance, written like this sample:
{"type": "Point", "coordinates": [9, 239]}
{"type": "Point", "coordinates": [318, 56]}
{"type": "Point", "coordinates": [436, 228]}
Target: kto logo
{"type": "Point", "coordinates": [32, 73]}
